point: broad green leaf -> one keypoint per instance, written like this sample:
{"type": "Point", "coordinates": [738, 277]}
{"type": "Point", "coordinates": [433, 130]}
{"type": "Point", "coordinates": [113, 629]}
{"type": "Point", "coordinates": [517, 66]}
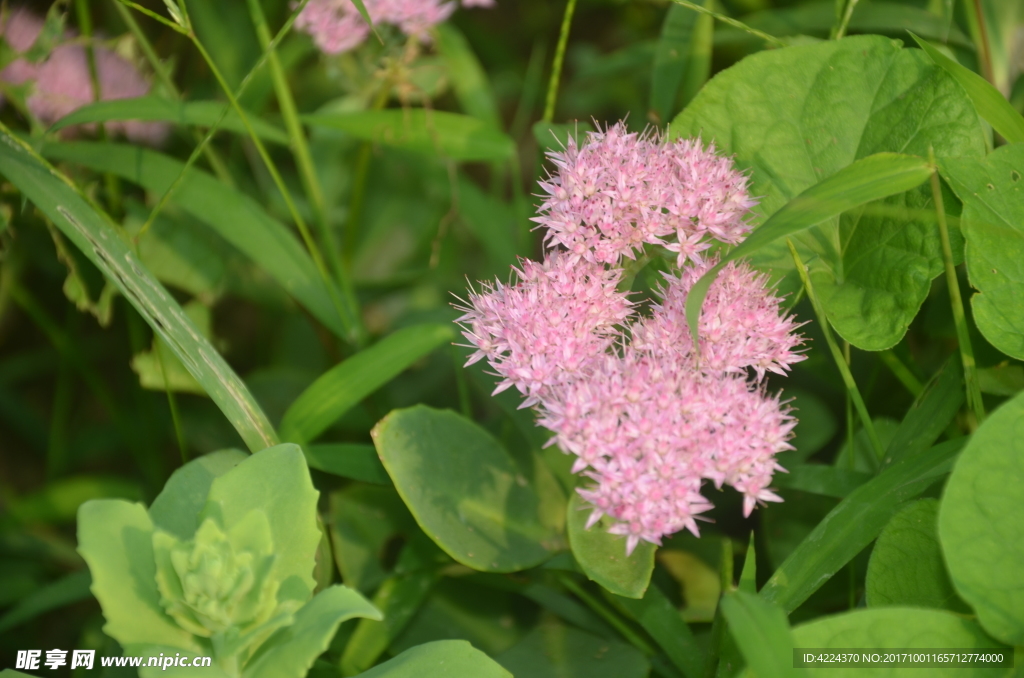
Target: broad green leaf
{"type": "Point", "coordinates": [981, 523]}
{"type": "Point", "coordinates": [67, 590]}
{"type": "Point", "coordinates": [906, 566]}
{"type": "Point", "coordinates": [451, 135]}
{"type": "Point", "coordinates": [467, 75]}
{"type": "Point", "coordinates": [854, 523]}
{"type": "Point", "coordinates": [467, 493]}
{"type": "Point", "coordinates": [871, 178]}
{"type": "Point", "coordinates": [97, 238]}
{"type": "Point", "coordinates": [441, 659]}
{"type": "Point", "coordinates": [658, 617]}
{"type": "Point", "coordinates": [363, 520]}
{"type": "Point", "coordinates": [992, 190]}
{"type": "Point", "coordinates": [344, 385]}
{"type": "Point", "coordinates": [291, 651]}
{"type": "Point", "coordinates": [238, 218]}
{"type": "Point", "coordinates": [399, 598]}
{"type": "Point", "coordinates": [275, 480]}
{"type": "Point", "coordinates": [176, 509]}
{"type": "Point", "coordinates": [683, 41]}
{"type": "Point", "coordinates": [358, 462]}
{"type": "Point", "coordinates": [602, 556]}
{"type": "Point", "coordinates": [930, 413]}
{"type": "Point", "coordinates": [796, 116]}
{"type": "Point", "coordinates": [989, 102]}
{"type": "Point", "coordinates": [59, 500]}
{"type": "Point", "coordinates": [762, 633]}
{"type": "Point", "coordinates": [558, 651]}
{"type": "Point", "coordinates": [182, 113]}
{"type": "Point", "coordinates": [897, 627]}
{"type": "Point", "coordinates": [829, 481]}
{"type": "Point", "coordinates": [115, 539]}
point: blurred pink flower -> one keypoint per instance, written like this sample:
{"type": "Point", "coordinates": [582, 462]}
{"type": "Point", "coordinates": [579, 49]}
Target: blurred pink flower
{"type": "Point", "coordinates": [336, 25]}
{"type": "Point", "coordinates": [62, 83]}
{"type": "Point", "coordinates": [648, 418]}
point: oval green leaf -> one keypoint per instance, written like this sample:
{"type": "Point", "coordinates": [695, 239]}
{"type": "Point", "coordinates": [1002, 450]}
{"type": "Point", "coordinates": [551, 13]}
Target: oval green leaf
{"type": "Point", "coordinates": [981, 523]}
{"type": "Point", "coordinates": [455, 136]}
{"type": "Point", "coordinates": [344, 385]}
{"type": "Point", "coordinates": [602, 556]}
{"type": "Point", "coordinates": [467, 493]}
{"type": "Point", "coordinates": [796, 116]}
{"type": "Point", "coordinates": [992, 190]}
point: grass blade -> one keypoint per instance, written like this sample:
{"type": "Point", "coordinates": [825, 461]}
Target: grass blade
{"type": "Point", "coordinates": [181, 113]}
{"type": "Point", "coordinates": [97, 238]}
{"type": "Point", "coordinates": [854, 523]}
{"type": "Point", "coordinates": [238, 218]}
{"type": "Point", "coordinates": [65, 591]}
{"type": "Point", "coordinates": [346, 384]}
{"type": "Point", "coordinates": [990, 104]}
{"type": "Point", "coordinates": [355, 461]}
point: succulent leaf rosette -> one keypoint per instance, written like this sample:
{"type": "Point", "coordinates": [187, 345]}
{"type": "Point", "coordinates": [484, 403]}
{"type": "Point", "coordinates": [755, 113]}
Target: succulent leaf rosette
{"type": "Point", "coordinates": [221, 565]}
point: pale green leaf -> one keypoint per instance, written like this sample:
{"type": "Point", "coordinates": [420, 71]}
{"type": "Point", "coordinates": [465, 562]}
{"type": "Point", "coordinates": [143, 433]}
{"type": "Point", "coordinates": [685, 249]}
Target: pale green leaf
{"type": "Point", "coordinates": [176, 509]}
{"type": "Point", "coordinates": [762, 633]}
{"type": "Point", "coordinates": [602, 556]}
{"type": "Point", "coordinates": [440, 659]}
{"type": "Point", "coordinates": [466, 492]}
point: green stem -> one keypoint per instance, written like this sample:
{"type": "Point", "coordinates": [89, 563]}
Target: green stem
{"type": "Point", "coordinates": [974, 400]}
{"type": "Point", "coordinates": [556, 66]}
{"type": "Point", "coordinates": [901, 372]}
{"type": "Point", "coordinates": [607, 614]}
{"type": "Point", "coordinates": [153, 15]}
{"type": "Point", "coordinates": [837, 354]}
{"type": "Point", "coordinates": [771, 39]}
{"type": "Point", "coordinates": [840, 30]}
{"type": "Point", "coordinates": [984, 48]}
{"type": "Point", "coordinates": [211, 155]}
{"type": "Point", "coordinates": [172, 402]}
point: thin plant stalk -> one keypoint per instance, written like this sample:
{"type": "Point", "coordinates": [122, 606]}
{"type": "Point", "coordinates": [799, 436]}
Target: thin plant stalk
{"type": "Point", "coordinates": [974, 400]}
{"type": "Point", "coordinates": [210, 153]}
{"type": "Point", "coordinates": [837, 354]}
{"type": "Point", "coordinates": [613, 619]}
{"type": "Point", "coordinates": [172, 402]}
{"type": "Point", "coordinates": [901, 372]}
{"type": "Point", "coordinates": [556, 65]}
{"type": "Point", "coordinates": [984, 48]}
{"type": "Point", "coordinates": [840, 30]}
{"type": "Point", "coordinates": [771, 39]}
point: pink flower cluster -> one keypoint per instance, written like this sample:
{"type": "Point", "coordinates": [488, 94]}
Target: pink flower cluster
{"type": "Point", "coordinates": [336, 25]}
{"type": "Point", "coordinates": [621, 190]}
{"type": "Point", "coordinates": [61, 83]}
{"type": "Point", "coordinates": [648, 417]}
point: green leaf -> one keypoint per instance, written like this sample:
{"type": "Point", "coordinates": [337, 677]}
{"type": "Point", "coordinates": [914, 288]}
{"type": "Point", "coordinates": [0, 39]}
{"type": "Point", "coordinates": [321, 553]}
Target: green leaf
{"type": "Point", "coordinates": [451, 135]}
{"type": "Point", "coordinates": [992, 190]}
{"type": "Point", "coordinates": [441, 659]}
{"type": "Point", "coordinates": [358, 462]}
{"type": "Point", "coordinates": [172, 374]}
{"type": "Point", "coordinates": [468, 76]}
{"type": "Point", "coordinates": [557, 651]}
{"type": "Point", "coordinates": [674, 56]}
{"type": "Point", "coordinates": [659, 618]}
{"type": "Point", "coordinates": [929, 414]}
{"type": "Point", "coordinates": [363, 520]}
{"type": "Point", "coordinates": [399, 598]}
{"type": "Point", "coordinates": [897, 627]}
{"type": "Point", "coordinates": [748, 575]}
{"type": "Point", "coordinates": [796, 116]}
{"type": "Point", "coordinates": [467, 493]}
{"type": "Point", "coordinates": [292, 650]}
{"type": "Point", "coordinates": [854, 523]}
{"type": "Point", "coordinates": [64, 591]}
{"type": "Point", "coordinates": [981, 523]}
{"type": "Point", "coordinates": [182, 113]}
{"type": "Point", "coordinates": [762, 633]}
{"type": "Point", "coordinates": [238, 218]}
{"type": "Point", "coordinates": [828, 481]}
{"type": "Point", "coordinates": [865, 180]}
{"type": "Point", "coordinates": [344, 385]}
{"type": "Point", "coordinates": [115, 539]}
{"type": "Point", "coordinates": [276, 481]}
{"type": "Point", "coordinates": [176, 509]}
{"type": "Point", "coordinates": [602, 556]}
{"type": "Point", "coordinates": [989, 102]}
{"type": "Point", "coordinates": [699, 584]}
{"type": "Point", "coordinates": [906, 566]}
{"type": "Point", "coordinates": [96, 237]}
{"type": "Point", "coordinates": [1003, 379]}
